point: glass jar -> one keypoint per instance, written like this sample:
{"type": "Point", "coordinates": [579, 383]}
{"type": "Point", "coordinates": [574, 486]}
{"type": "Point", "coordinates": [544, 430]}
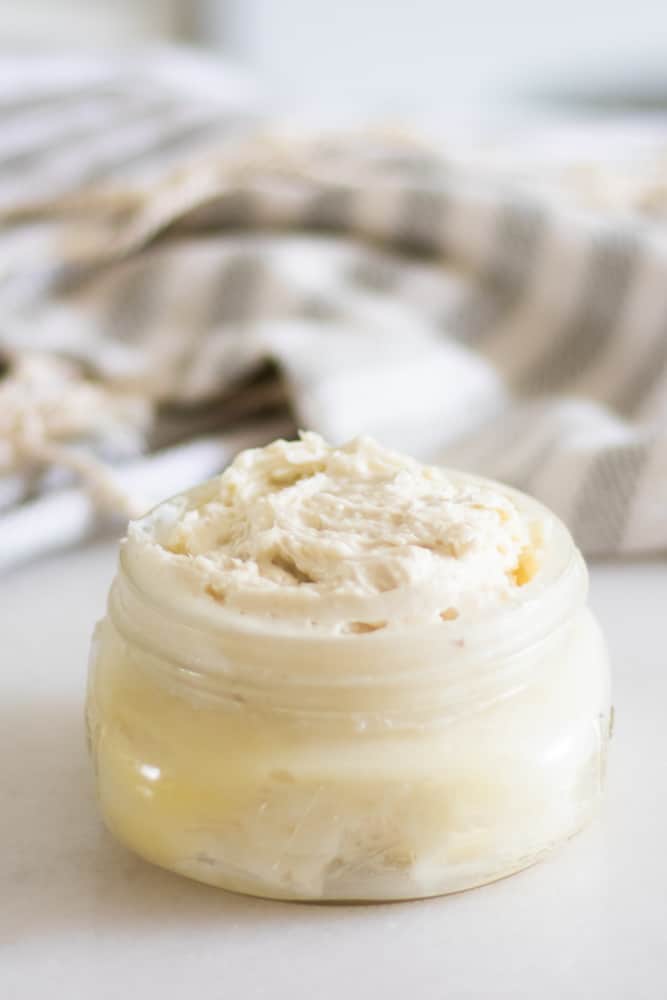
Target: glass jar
{"type": "Point", "coordinates": [377, 766]}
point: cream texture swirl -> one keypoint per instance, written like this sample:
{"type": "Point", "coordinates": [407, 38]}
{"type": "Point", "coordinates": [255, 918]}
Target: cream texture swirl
{"type": "Point", "coordinates": [352, 538]}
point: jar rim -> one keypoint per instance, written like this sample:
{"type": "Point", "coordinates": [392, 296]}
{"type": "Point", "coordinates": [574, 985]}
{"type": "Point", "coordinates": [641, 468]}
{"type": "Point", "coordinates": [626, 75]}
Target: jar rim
{"type": "Point", "coordinates": [179, 584]}
{"type": "Point", "coordinates": [233, 647]}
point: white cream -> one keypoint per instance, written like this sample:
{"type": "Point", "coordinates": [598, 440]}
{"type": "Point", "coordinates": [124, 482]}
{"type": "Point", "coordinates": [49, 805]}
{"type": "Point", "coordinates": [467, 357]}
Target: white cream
{"type": "Point", "coordinates": [351, 538]}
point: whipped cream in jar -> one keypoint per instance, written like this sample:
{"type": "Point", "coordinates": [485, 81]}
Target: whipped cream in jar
{"type": "Point", "coordinates": [338, 674]}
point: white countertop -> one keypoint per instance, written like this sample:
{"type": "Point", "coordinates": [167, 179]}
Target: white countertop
{"type": "Point", "coordinates": [81, 917]}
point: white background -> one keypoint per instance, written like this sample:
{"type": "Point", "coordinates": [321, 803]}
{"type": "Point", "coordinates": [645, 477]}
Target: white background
{"type": "Point", "coordinates": [419, 56]}
{"type": "Point", "coordinates": [389, 57]}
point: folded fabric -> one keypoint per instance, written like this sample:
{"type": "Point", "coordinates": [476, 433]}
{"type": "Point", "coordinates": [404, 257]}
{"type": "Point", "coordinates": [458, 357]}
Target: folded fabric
{"type": "Point", "coordinates": [246, 285]}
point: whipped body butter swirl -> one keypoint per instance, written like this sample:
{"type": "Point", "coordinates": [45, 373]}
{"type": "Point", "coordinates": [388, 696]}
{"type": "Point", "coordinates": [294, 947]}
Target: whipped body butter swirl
{"type": "Point", "coordinates": [337, 673]}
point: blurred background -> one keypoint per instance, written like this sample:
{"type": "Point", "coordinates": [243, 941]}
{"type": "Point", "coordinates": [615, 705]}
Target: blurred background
{"type": "Point", "coordinates": [421, 59]}
{"type": "Point", "coordinates": [441, 224]}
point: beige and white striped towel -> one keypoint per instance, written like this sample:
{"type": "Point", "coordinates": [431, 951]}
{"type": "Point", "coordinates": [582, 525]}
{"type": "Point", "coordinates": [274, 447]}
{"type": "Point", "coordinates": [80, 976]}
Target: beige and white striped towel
{"type": "Point", "coordinates": [169, 294]}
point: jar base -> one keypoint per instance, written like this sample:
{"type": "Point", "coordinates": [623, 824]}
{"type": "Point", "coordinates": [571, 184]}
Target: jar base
{"type": "Point", "coordinates": [452, 884]}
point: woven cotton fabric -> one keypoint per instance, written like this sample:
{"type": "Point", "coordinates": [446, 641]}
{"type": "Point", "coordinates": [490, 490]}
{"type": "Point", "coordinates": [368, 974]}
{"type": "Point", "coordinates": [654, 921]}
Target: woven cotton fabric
{"type": "Point", "coordinates": [178, 282]}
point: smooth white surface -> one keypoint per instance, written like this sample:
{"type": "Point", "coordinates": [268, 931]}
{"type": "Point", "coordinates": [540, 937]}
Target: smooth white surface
{"type": "Point", "coordinates": [81, 917]}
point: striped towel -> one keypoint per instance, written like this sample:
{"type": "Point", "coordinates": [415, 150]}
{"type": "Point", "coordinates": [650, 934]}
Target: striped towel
{"type": "Point", "coordinates": [177, 283]}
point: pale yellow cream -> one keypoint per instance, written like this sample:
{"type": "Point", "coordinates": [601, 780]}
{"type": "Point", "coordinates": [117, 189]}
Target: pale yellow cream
{"type": "Point", "coordinates": [336, 673]}
{"type": "Point", "coordinates": [351, 538]}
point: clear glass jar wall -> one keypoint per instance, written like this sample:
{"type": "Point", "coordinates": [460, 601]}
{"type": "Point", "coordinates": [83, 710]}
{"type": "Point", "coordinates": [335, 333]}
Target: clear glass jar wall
{"type": "Point", "coordinates": [360, 767]}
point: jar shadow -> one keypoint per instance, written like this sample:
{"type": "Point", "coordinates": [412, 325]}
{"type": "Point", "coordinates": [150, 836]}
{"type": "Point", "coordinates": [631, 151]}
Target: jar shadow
{"type": "Point", "coordinates": [63, 872]}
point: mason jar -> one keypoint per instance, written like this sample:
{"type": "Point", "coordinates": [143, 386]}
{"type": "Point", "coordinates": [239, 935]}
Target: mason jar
{"type": "Point", "coordinates": [378, 764]}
